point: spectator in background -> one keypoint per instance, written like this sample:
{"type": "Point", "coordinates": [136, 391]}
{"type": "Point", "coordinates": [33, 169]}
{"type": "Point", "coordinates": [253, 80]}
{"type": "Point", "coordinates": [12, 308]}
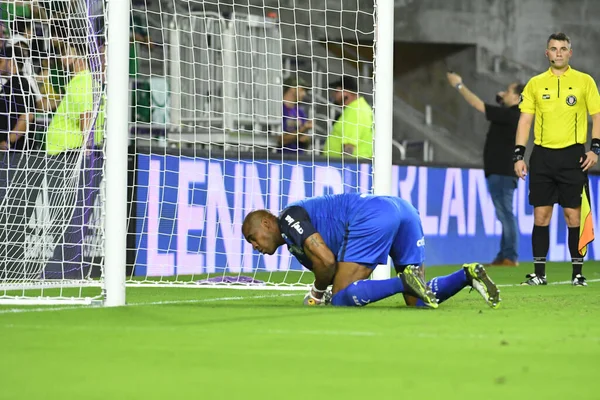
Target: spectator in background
{"type": "Point", "coordinates": [31, 50]}
{"type": "Point", "coordinates": [16, 110]}
{"type": "Point", "coordinates": [73, 116]}
{"type": "Point", "coordinates": [497, 160]}
{"type": "Point", "coordinates": [58, 167]}
{"type": "Point", "coordinates": [352, 133]}
{"type": "Point", "coordinates": [30, 34]}
{"type": "Point", "coordinates": [295, 122]}
{"type": "Point", "coordinates": [17, 104]}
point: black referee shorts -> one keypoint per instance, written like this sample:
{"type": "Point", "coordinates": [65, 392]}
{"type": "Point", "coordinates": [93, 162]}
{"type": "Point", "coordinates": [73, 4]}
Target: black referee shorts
{"type": "Point", "coordinates": [555, 176]}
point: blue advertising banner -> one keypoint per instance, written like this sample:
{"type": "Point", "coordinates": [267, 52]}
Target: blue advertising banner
{"type": "Point", "coordinates": [189, 211]}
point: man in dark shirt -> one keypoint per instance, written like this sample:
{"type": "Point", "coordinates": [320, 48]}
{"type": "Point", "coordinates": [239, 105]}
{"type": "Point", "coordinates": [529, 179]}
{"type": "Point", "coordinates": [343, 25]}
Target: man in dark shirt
{"type": "Point", "coordinates": [19, 184]}
{"type": "Point", "coordinates": [497, 160]}
{"type": "Point", "coordinates": [17, 105]}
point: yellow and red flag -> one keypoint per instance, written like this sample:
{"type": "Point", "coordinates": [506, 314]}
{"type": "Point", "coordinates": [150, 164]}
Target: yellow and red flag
{"type": "Point", "coordinates": [586, 226]}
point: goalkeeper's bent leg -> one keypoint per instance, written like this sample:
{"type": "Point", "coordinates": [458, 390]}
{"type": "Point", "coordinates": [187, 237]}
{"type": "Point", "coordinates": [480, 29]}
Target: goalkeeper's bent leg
{"type": "Point", "coordinates": [352, 288]}
{"type": "Point", "coordinates": [447, 286]}
{"type": "Point", "coordinates": [444, 287]}
{"type": "Point", "coordinates": [363, 292]}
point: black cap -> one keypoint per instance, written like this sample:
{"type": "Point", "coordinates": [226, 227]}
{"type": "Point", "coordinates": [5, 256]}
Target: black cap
{"type": "Point", "coordinates": [347, 82]}
{"type": "Point", "coordinates": [294, 81]}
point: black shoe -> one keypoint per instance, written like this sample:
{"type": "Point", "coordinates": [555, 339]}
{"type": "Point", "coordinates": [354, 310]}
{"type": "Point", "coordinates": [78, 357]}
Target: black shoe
{"type": "Point", "coordinates": [579, 280]}
{"type": "Point", "coordinates": [535, 280]}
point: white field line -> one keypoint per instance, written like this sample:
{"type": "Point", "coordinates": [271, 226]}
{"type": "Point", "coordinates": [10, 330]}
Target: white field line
{"type": "Point", "coordinates": [550, 283]}
{"type": "Point", "coordinates": [150, 303]}
{"type": "Point", "coordinates": [194, 301]}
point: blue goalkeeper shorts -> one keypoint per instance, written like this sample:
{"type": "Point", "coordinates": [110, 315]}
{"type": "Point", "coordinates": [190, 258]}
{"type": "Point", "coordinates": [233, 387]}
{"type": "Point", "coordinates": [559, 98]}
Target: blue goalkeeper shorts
{"type": "Point", "coordinates": [384, 226]}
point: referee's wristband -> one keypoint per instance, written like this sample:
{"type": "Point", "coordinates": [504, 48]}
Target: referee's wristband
{"type": "Point", "coordinates": [595, 147]}
{"type": "Point", "coordinates": [519, 154]}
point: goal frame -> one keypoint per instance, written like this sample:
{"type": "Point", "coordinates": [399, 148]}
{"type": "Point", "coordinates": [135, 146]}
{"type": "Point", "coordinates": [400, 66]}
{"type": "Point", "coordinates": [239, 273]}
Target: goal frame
{"type": "Point", "coordinates": [113, 281]}
{"type": "Point", "coordinates": [117, 141]}
{"type": "Point", "coordinates": [116, 147]}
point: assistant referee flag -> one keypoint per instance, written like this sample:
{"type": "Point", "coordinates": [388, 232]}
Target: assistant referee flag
{"type": "Point", "coordinates": [586, 229]}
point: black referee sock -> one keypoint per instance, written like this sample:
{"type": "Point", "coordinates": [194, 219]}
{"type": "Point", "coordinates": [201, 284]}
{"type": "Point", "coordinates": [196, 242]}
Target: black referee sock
{"type": "Point", "coordinates": [540, 243]}
{"type": "Point", "coordinates": [576, 258]}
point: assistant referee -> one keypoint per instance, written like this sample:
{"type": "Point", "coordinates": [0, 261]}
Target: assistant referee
{"type": "Point", "coordinates": [560, 99]}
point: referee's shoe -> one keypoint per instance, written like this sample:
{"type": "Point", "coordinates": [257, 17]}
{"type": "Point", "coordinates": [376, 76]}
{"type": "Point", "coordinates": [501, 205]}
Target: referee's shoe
{"type": "Point", "coordinates": [535, 280]}
{"type": "Point", "coordinates": [579, 280]}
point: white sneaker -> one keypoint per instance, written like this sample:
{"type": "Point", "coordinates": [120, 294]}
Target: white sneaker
{"type": "Point", "coordinates": [579, 280]}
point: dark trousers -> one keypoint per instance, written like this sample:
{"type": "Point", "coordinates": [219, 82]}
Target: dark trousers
{"type": "Point", "coordinates": [502, 189]}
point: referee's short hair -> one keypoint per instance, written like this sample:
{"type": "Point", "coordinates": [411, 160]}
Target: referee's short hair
{"type": "Point", "coordinates": [560, 36]}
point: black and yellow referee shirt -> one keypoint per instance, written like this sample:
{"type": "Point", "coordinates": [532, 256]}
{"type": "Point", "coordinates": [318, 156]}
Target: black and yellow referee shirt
{"type": "Point", "coordinates": [560, 104]}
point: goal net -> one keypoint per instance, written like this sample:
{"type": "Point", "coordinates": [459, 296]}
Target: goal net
{"type": "Point", "coordinates": [51, 230]}
{"type": "Point", "coordinates": [232, 111]}
{"type": "Point", "coordinates": [231, 106]}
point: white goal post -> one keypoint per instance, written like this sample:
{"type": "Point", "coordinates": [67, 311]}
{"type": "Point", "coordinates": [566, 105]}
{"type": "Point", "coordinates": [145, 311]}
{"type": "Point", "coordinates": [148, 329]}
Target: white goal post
{"type": "Point", "coordinates": [116, 151]}
{"type": "Point", "coordinates": [213, 109]}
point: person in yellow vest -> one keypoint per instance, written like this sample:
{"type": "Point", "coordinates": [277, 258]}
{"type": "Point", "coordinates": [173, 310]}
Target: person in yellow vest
{"type": "Point", "coordinates": [74, 114]}
{"type": "Point", "coordinates": [77, 123]}
{"type": "Point", "coordinates": [352, 133]}
{"type": "Point", "coordinates": [559, 100]}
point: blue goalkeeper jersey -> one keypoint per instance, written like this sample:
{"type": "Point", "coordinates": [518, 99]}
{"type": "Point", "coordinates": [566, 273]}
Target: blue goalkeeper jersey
{"type": "Point", "coordinates": [330, 215]}
{"type": "Point", "coordinates": [352, 225]}
{"type": "Point", "coordinates": [356, 227]}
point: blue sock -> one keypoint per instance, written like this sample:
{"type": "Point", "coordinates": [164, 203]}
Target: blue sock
{"type": "Point", "coordinates": [447, 286]}
{"type": "Point", "coordinates": [361, 293]}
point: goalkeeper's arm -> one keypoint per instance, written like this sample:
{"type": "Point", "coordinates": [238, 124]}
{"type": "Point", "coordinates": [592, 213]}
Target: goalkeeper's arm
{"type": "Point", "coordinates": [323, 261]}
{"type": "Point", "coordinates": [295, 223]}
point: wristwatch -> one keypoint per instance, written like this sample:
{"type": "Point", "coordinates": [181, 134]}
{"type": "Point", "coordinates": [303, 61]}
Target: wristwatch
{"type": "Point", "coordinates": [459, 86]}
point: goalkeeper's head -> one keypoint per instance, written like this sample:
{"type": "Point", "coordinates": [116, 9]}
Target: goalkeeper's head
{"type": "Point", "coordinates": [261, 230]}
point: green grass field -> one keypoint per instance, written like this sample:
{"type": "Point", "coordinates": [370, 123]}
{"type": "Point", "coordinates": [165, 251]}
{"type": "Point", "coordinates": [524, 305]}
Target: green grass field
{"type": "Point", "coordinates": [543, 343]}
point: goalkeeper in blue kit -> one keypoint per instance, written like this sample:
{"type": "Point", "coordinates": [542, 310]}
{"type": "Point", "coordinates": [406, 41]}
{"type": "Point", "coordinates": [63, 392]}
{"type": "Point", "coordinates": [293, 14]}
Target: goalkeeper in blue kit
{"type": "Point", "coordinates": [342, 238]}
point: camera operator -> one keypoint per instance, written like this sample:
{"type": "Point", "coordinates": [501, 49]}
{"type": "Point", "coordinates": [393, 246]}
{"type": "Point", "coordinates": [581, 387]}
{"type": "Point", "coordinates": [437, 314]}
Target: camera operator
{"type": "Point", "coordinates": [497, 160]}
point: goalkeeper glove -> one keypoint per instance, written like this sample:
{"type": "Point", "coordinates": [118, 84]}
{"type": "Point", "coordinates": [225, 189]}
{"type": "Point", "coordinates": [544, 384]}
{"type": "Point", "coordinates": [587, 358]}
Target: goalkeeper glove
{"type": "Point", "coordinates": [311, 300]}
